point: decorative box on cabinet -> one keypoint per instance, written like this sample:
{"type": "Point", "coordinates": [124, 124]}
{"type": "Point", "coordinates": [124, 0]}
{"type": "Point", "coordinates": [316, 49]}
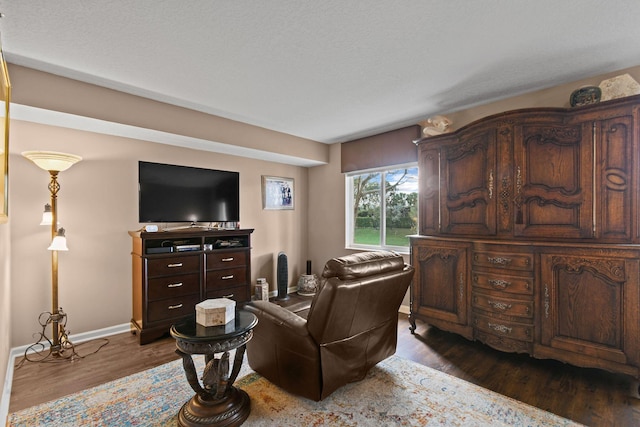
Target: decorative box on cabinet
{"type": "Point", "coordinates": [172, 272]}
{"type": "Point", "coordinates": [544, 205]}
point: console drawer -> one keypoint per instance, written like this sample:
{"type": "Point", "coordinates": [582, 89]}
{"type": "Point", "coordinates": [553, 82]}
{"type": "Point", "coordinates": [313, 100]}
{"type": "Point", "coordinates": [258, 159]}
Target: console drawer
{"type": "Point", "coordinates": [217, 260]}
{"type": "Point", "coordinates": [172, 308]}
{"type": "Point", "coordinates": [499, 327]}
{"type": "Point", "coordinates": [504, 306]}
{"type": "Point", "coordinates": [514, 261]}
{"type": "Point", "coordinates": [503, 283]}
{"type": "Point", "coordinates": [504, 344]}
{"type": "Point", "coordinates": [173, 265]}
{"type": "Point", "coordinates": [237, 293]}
{"type": "Point", "coordinates": [173, 286]}
{"type": "Point", "coordinates": [226, 278]}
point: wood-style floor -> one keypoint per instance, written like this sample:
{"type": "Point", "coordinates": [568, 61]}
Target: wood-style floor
{"type": "Point", "coordinates": [588, 396]}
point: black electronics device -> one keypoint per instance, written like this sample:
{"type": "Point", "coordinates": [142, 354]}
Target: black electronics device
{"type": "Point", "coordinates": [187, 248]}
{"type": "Point", "coordinates": [160, 250]}
{"type": "Point", "coordinates": [283, 277]}
{"type": "Point", "coordinates": [171, 193]}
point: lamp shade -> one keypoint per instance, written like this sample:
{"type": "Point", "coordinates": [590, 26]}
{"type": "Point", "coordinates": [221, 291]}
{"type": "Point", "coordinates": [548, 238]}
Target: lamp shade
{"type": "Point", "coordinates": [52, 160]}
{"type": "Point", "coordinates": [59, 243]}
{"type": "Point", "coordinates": [47, 215]}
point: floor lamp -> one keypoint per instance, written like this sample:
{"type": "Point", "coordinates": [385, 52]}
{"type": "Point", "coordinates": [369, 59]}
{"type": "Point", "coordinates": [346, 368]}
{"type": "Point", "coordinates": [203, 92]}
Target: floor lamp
{"type": "Point", "coordinates": [54, 163]}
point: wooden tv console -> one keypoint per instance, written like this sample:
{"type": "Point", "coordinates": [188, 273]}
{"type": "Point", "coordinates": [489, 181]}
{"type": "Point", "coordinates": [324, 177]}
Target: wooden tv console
{"type": "Point", "coordinates": [175, 270]}
{"type": "Point", "coordinates": [530, 234]}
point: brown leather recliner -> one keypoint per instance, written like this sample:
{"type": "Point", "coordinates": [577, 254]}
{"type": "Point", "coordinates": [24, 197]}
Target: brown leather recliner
{"type": "Point", "coordinates": [352, 325]}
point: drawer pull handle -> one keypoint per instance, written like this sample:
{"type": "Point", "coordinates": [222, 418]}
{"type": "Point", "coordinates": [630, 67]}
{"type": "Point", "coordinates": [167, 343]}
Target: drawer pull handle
{"type": "Point", "coordinates": [174, 285]}
{"type": "Point", "coordinates": [228, 296]}
{"type": "Point", "coordinates": [499, 305]}
{"type": "Point", "coordinates": [500, 328]}
{"type": "Point", "coordinates": [498, 283]}
{"type": "Point", "coordinates": [178, 264]}
{"type": "Point", "coordinates": [173, 307]}
{"type": "Point", "coordinates": [227, 259]}
{"type": "Point", "coordinates": [227, 277]}
{"type": "Point", "coordinates": [491, 184]}
{"type": "Point", "coordinates": [499, 260]}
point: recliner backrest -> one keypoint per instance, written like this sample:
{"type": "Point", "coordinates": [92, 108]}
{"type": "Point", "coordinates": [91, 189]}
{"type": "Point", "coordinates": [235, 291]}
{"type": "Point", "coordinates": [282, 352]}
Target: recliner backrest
{"type": "Point", "coordinates": [359, 293]}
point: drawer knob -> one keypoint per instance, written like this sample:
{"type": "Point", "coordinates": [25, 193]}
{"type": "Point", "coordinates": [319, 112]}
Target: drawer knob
{"type": "Point", "coordinates": [227, 277]}
{"type": "Point", "coordinates": [177, 264]}
{"type": "Point", "coordinates": [499, 283]}
{"type": "Point", "coordinates": [173, 307]}
{"type": "Point", "coordinates": [500, 328]}
{"type": "Point", "coordinates": [174, 285]}
{"type": "Point", "coordinates": [499, 305]}
{"type": "Point", "coordinates": [227, 259]}
{"type": "Point", "coordinates": [499, 260]}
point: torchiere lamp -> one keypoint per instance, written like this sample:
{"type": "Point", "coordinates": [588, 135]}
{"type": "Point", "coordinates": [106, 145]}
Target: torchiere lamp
{"type": "Point", "coordinates": [54, 162]}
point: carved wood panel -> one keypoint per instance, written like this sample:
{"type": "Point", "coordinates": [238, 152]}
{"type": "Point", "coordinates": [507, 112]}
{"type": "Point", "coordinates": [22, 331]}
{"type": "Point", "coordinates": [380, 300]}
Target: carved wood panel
{"type": "Point", "coordinates": [615, 139]}
{"type": "Point", "coordinates": [554, 165]}
{"type": "Point", "coordinates": [469, 187]}
{"type": "Point", "coordinates": [440, 288]}
{"type": "Point", "coordinates": [586, 303]}
{"type": "Point", "coordinates": [429, 176]}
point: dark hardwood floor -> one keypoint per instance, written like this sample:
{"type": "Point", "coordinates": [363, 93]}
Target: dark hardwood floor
{"type": "Point", "coordinates": [588, 396]}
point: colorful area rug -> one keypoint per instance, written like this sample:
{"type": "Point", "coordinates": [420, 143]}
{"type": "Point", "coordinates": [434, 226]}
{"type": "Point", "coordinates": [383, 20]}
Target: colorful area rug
{"type": "Point", "coordinates": [397, 392]}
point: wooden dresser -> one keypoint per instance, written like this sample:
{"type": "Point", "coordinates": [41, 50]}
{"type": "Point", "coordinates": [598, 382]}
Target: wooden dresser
{"type": "Point", "coordinates": [175, 270]}
{"type": "Point", "coordinates": [529, 234]}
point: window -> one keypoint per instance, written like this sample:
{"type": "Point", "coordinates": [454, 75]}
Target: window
{"type": "Point", "coordinates": [382, 208]}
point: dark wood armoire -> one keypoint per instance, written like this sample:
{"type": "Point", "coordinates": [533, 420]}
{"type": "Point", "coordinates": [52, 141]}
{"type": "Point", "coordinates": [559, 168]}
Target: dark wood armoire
{"type": "Point", "coordinates": [529, 234]}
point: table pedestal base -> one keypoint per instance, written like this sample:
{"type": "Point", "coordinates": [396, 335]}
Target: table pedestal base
{"type": "Point", "coordinates": [232, 410]}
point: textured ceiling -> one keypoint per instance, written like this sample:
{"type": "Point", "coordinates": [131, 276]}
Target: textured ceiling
{"type": "Point", "coordinates": [329, 70]}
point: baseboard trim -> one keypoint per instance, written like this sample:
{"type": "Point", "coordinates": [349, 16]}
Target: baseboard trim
{"type": "Point", "coordinates": [16, 352]}
{"type": "Point", "coordinates": [405, 309]}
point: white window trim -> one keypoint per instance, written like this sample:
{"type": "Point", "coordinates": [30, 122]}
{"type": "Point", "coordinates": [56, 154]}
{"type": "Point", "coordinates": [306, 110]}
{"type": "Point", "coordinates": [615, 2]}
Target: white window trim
{"type": "Point", "coordinates": [349, 219]}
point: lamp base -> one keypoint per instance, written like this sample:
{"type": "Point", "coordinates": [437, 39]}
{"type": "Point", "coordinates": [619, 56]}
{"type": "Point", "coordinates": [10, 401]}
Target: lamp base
{"type": "Point", "coordinates": [44, 348]}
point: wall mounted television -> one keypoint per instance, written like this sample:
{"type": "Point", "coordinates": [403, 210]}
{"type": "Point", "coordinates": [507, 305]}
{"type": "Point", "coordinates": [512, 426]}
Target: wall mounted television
{"type": "Point", "coordinates": [172, 193]}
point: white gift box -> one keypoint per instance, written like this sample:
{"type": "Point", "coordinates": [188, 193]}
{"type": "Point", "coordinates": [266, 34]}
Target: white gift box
{"type": "Point", "coordinates": [215, 312]}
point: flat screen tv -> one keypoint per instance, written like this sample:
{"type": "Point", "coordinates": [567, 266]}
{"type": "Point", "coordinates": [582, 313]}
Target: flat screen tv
{"type": "Point", "coordinates": [171, 193]}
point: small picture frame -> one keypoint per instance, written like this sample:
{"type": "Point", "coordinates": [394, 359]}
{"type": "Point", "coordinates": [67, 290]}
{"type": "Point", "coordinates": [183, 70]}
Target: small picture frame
{"type": "Point", "coordinates": [277, 193]}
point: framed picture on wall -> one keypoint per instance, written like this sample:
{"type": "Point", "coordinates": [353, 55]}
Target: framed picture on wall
{"type": "Point", "coordinates": [277, 193]}
{"type": "Point", "coordinates": [5, 98]}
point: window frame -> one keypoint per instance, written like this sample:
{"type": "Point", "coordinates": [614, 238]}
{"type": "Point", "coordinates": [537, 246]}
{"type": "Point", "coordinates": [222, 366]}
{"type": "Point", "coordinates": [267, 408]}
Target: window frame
{"type": "Point", "coordinates": [350, 220]}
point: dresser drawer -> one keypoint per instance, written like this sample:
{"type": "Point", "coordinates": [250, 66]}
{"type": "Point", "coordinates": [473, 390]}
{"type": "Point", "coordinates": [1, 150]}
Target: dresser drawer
{"type": "Point", "coordinates": [172, 308]}
{"type": "Point", "coordinates": [503, 343]}
{"type": "Point", "coordinates": [237, 293]}
{"type": "Point", "coordinates": [226, 278]}
{"type": "Point", "coordinates": [513, 261]}
{"type": "Point", "coordinates": [505, 306]}
{"type": "Point", "coordinates": [499, 327]}
{"type": "Point", "coordinates": [503, 283]}
{"type": "Point", "coordinates": [173, 265]}
{"type": "Point", "coordinates": [217, 260]}
{"type": "Point", "coordinates": [173, 286]}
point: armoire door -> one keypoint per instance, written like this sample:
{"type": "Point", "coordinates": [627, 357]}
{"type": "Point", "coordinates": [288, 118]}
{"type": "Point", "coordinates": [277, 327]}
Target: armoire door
{"type": "Point", "coordinates": [439, 292]}
{"type": "Point", "coordinates": [588, 307]}
{"type": "Point", "coordinates": [469, 184]}
{"type": "Point", "coordinates": [553, 180]}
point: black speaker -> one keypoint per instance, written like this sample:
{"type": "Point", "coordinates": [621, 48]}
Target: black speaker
{"type": "Point", "coordinates": [283, 277]}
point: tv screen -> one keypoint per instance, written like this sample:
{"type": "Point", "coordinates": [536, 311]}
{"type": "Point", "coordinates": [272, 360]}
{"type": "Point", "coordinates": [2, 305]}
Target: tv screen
{"type": "Point", "coordinates": [171, 193]}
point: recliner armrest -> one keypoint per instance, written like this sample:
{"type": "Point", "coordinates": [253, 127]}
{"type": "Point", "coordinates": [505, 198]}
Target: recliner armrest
{"type": "Point", "coordinates": [267, 311]}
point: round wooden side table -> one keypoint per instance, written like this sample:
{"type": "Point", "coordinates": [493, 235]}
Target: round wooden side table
{"type": "Point", "coordinates": [216, 402]}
